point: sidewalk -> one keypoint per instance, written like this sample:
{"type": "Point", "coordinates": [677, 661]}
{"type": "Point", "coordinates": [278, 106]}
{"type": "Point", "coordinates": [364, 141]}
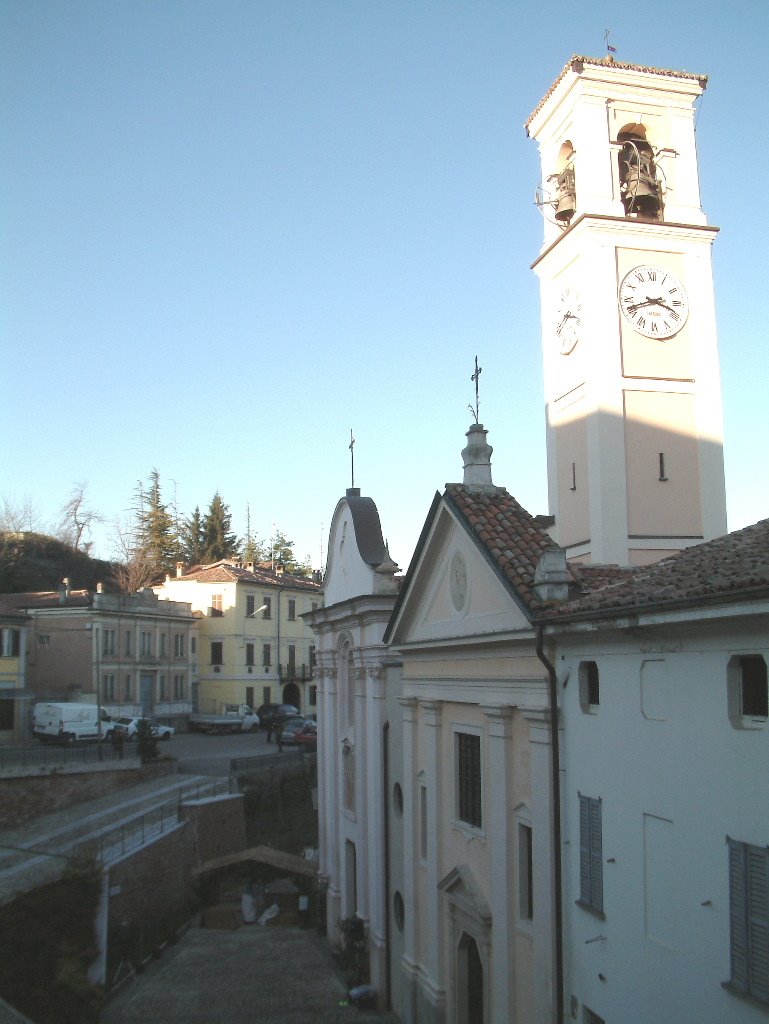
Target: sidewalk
{"type": "Point", "coordinates": [268, 975]}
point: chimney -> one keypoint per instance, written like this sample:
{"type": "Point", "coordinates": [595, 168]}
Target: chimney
{"type": "Point", "coordinates": [552, 580]}
{"type": "Point", "coordinates": [279, 569]}
{"type": "Point", "coordinates": [99, 588]}
{"type": "Point", "coordinates": [179, 569]}
{"type": "Point", "coordinates": [64, 590]}
{"type": "Point", "coordinates": [477, 458]}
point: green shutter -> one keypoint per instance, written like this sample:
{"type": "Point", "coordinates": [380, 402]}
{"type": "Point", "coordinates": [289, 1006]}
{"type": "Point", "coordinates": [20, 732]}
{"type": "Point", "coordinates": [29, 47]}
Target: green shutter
{"type": "Point", "coordinates": [757, 869]}
{"type": "Point", "coordinates": [737, 916]}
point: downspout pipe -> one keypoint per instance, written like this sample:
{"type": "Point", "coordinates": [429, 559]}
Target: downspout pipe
{"type": "Point", "coordinates": [555, 769]}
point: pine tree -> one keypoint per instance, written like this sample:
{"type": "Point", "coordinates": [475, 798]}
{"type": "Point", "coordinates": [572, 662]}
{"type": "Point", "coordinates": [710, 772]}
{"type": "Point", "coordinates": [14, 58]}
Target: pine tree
{"type": "Point", "coordinates": [192, 538]}
{"type": "Point", "coordinates": [218, 541]}
{"type": "Point", "coordinates": [156, 543]}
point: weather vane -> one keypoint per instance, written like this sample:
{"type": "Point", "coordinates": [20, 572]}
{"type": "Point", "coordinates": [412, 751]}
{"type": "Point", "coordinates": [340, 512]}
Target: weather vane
{"type": "Point", "coordinates": [352, 459]}
{"type": "Point", "coordinates": [475, 376]}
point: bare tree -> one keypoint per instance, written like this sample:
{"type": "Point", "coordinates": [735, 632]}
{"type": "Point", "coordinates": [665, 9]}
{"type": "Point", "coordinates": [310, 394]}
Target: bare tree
{"type": "Point", "coordinates": [76, 519]}
{"type": "Point", "coordinates": [134, 569]}
{"type": "Point", "coordinates": [19, 516]}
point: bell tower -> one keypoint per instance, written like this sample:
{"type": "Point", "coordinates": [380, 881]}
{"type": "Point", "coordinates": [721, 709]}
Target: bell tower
{"type": "Point", "coordinates": [632, 383]}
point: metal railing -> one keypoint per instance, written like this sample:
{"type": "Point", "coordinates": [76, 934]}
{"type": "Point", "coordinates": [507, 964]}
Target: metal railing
{"type": "Point", "coordinates": [134, 833]}
{"type": "Point", "coordinates": [289, 761]}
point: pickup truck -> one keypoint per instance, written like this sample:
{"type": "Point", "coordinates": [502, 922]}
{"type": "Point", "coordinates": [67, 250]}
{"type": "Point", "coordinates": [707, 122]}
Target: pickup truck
{"type": "Point", "coordinates": [229, 718]}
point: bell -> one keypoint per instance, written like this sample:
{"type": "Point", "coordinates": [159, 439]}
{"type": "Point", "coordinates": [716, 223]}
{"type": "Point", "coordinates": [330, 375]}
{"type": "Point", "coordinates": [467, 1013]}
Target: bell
{"type": "Point", "coordinates": [566, 196]}
{"type": "Point", "coordinates": [640, 189]}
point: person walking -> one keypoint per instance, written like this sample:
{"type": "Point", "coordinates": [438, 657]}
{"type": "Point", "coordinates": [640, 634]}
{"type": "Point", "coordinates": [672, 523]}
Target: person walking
{"type": "Point", "coordinates": [279, 736]}
{"type": "Point", "coordinates": [270, 728]}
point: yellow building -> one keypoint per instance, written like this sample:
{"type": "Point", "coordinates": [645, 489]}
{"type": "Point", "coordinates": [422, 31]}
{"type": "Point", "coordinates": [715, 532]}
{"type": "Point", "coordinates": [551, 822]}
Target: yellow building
{"type": "Point", "coordinates": [254, 646]}
{"type": "Point", "coordinates": [13, 691]}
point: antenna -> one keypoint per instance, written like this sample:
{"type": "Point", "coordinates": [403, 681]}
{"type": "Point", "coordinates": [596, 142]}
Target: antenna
{"type": "Point", "coordinates": [352, 459]}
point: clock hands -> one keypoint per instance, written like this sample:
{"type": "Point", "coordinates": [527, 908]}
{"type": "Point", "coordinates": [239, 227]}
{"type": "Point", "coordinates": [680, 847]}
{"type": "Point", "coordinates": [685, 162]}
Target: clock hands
{"type": "Point", "coordinates": [562, 324]}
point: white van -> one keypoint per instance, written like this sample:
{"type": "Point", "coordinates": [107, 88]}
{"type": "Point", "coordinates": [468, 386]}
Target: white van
{"type": "Point", "coordinates": [69, 722]}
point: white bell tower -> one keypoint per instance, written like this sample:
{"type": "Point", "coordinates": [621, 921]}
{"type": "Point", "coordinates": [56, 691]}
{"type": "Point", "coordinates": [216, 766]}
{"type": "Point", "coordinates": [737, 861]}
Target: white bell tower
{"type": "Point", "coordinates": [632, 384]}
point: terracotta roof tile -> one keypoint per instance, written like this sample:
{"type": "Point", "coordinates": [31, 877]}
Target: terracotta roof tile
{"type": "Point", "coordinates": [512, 538]}
{"type": "Point", "coordinates": [727, 568]}
{"type": "Point", "coordinates": [227, 572]}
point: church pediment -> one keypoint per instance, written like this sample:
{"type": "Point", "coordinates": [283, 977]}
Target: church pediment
{"type": "Point", "coordinates": [464, 893]}
{"type": "Point", "coordinates": [453, 591]}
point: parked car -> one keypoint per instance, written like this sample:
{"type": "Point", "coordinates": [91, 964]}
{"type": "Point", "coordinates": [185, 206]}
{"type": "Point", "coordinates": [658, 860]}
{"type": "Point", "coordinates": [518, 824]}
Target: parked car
{"type": "Point", "coordinates": [271, 714]}
{"type": "Point", "coordinates": [307, 738]}
{"type": "Point", "coordinates": [292, 727]}
{"type": "Point", "coordinates": [127, 728]}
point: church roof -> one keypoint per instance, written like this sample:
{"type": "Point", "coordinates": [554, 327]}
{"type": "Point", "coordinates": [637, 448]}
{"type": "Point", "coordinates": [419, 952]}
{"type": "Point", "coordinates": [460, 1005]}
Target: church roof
{"type": "Point", "coordinates": [368, 528]}
{"type": "Point", "coordinates": [512, 540]}
{"type": "Point", "coordinates": [576, 64]}
{"type": "Point", "coordinates": [729, 568]}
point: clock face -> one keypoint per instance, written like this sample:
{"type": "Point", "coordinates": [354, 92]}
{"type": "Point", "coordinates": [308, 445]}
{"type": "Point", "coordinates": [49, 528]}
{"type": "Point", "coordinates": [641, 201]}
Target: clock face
{"type": "Point", "coordinates": [653, 301]}
{"type": "Point", "coordinates": [567, 325]}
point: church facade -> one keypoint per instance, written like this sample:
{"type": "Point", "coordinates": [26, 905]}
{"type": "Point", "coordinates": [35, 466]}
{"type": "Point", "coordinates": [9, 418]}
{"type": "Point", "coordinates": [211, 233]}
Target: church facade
{"type": "Point", "coordinates": [543, 752]}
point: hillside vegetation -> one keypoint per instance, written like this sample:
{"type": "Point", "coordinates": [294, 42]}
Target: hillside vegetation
{"type": "Point", "coordinates": [34, 561]}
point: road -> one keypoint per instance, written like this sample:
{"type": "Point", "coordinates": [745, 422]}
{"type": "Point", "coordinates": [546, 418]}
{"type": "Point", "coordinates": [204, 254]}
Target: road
{"type": "Point", "coordinates": [210, 755]}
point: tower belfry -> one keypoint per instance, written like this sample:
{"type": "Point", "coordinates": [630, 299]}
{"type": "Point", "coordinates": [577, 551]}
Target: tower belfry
{"type": "Point", "coordinates": [632, 383]}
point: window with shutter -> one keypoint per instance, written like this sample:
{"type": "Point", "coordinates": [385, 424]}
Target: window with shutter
{"type": "Point", "coordinates": [590, 854]}
{"type": "Point", "coordinates": [749, 919]}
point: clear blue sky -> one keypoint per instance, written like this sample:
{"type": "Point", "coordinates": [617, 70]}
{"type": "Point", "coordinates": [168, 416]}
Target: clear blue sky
{"type": "Point", "coordinates": [232, 231]}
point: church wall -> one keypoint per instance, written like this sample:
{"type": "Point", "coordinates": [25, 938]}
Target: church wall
{"type": "Point", "coordinates": [675, 778]}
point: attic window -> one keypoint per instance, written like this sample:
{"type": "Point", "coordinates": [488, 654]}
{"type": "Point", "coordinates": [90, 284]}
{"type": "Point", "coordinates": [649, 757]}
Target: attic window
{"type": "Point", "coordinates": [747, 691]}
{"type": "Point", "coordinates": [589, 687]}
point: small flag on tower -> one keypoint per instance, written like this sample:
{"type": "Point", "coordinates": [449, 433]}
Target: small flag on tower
{"type": "Point", "coordinates": [609, 47]}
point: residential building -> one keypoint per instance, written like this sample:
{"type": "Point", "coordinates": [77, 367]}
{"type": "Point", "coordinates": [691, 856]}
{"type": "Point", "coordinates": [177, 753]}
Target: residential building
{"type": "Point", "coordinates": [131, 653]}
{"type": "Point", "coordinates": [14, 696]}
{"type": "Point", "coordinates": [255, 647]}
{"type": "Point", "coordinates": [360, 786]}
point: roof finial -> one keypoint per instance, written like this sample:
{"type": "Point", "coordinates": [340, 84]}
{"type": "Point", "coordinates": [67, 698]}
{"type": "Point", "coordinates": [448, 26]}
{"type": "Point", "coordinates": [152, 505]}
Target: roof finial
{"type": "Point", "coordinates": [352, 459]}
{"type": "Point", "coordinates": [475, 376]}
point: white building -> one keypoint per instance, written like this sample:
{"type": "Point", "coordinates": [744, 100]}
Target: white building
{"type": "Point", "coordinates": [359, 755]}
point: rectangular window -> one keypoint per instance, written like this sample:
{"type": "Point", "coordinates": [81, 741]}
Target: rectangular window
{"type": "Point", "coordinates": [7, 717]}
{"type": "Point", "coordinates": [127, 689]}
{"type": "Point", "coordinates": [193, 645]}
{"type": "Point", "coordinates": [217, 653]}
{"type": "Point", "coordinates": [314, 606]}
{"type": "Point", "coordinates": [291, 609]}
{"type": "Point", "coordinates": [291, 659]}
{"type": "Point", "coordinates": [216, 604]}
{"type": "Point", "coordinates": [312, 658]}
{"type": "Point", "coordinates": [162, 687]}
{"type": "Point", "coordinates": [525, 873]}
{"type": "Point", "coordinates": [423, 822]}
{"type": "Point", "coordinates": [249, 654]}
{"type": "Point", "coordinates": [128, 642]}
{"type": "Point", "coordinates": [266, 691]}
{"type": "Point", "coordinates": [266, 658]}
{"type": "Point", "coordinates": [469, 778]}
{"type": "Point", "coordinates": [590, 854]}
{"type": "Point", "coordinates": [108, 641]}
{"type": "Point", "coordinates": [179, 686]}
{"type": "Point", "coordinates": [267, 602]}
{"type": "Point", "coordinates": [250, 605]}
{"type": "Point", "coordinates": [11, 645]}
{"type": "Point", "coordinates": [754, 686]}
{"type": "Point", "coordinates": [146, 644]}
{"type": "Point", "coordinates": [313, 696]}
{"type": "Point", "coordinates": [749, 919]}
{"type": "Point", "coordinates": [108, 686]}
{"type": "Point", "coordinates": [178, 645]}
{"type": "Point", "coordinates": [589, 686]}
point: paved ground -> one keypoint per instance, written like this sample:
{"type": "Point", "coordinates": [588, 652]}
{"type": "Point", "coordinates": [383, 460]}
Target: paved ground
{"type": "Point", "coordinates": [267, 975]}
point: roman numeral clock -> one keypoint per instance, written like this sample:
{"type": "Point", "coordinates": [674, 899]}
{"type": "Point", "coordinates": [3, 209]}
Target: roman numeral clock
{"type": "Point", "coordinates": [632, 382]}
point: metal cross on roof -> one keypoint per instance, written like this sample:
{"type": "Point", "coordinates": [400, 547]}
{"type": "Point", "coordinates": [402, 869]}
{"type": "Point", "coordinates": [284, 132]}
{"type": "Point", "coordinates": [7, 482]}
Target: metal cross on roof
{"type": "Point", "coordinates": [475, 376]}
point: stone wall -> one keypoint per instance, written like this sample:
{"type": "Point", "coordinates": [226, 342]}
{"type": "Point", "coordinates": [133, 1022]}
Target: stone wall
{"type": "Point", "coordinates": [57, 789]}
